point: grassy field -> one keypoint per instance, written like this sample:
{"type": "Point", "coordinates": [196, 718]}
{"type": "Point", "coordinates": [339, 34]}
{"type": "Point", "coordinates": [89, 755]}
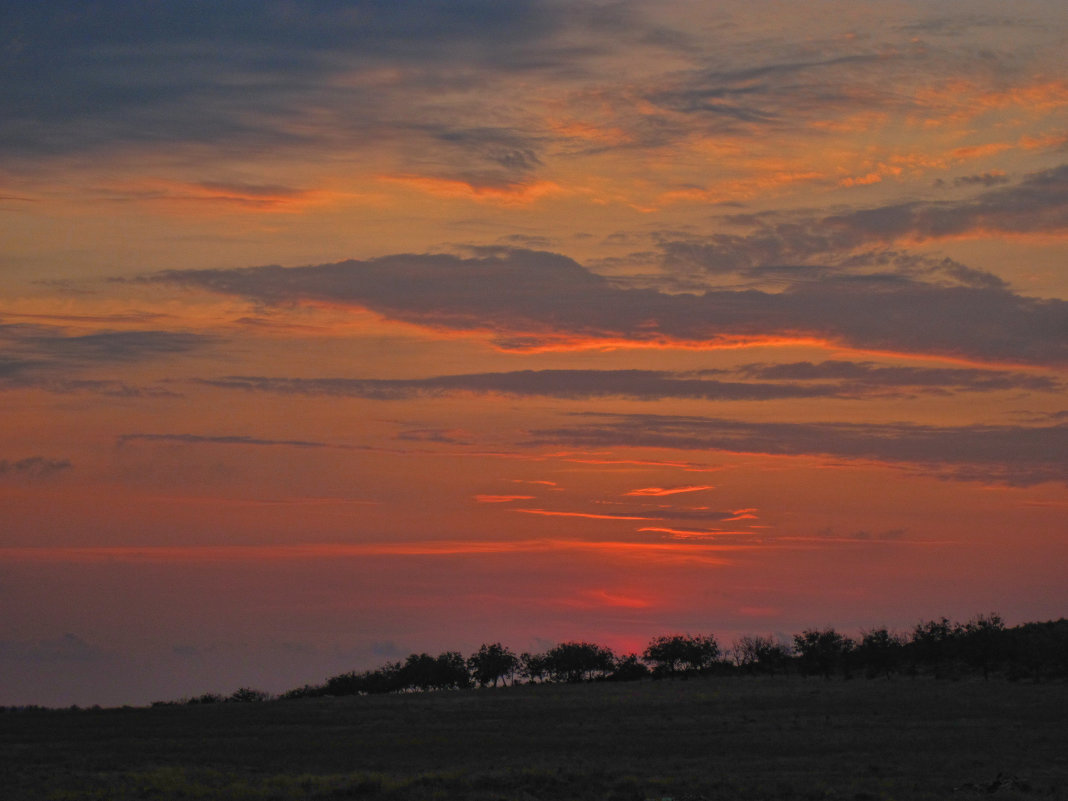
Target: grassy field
{"type": "Point", "coordinates": [709, 737]}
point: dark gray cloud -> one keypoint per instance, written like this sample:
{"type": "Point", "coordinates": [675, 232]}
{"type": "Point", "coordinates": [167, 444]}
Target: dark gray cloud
{"type": "Point", "coordinates": [428, 79]}
{"type": "Point", "coordinates": [889, 535]}
{"type": "Point", "coordinates": [837, 379]}
{"type": "Point", "coordinates": [645, 512]}
{"type": "Point", "coordinates": [792, 249]}
{"type": "Point", "coordinates": [82, 76]}
{"type": "Point", "coordinates": [870, 374]}
{"type": "Point", "coordinates": [34, 467]}
{"type": "Point", "coordinates": [438, 435]}
{"type": "Point", "coordinates": [1014, 455]}
{"type": "Point", "coordinates": [106, 387]}
{"type": "Point", "coordinates": [1038, 203]}
{"type": "Point", "coordinates": [532, 299]}
{"type": "Point", "coordinates": [507, 154]}
{"type": "Point", "coordinates": [784, 249]}
{"type": "Point", "coordinates": [634, 384]}
{"type": "Point", "coordinates": [116, 346]}
{"type": "Point", "coordinates": [197, 439]}
{"type": "Point", "coordinates": [769, 93]}
{"type": "Point", "coordinates": [45, 356]}
{"type": "Point", "coordinates": [788, 254]}
{"type": "Point", "coordinates": [985, 179]}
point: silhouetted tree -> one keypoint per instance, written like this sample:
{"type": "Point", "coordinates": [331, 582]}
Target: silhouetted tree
{"type": "Point", "coordinates": [419, 671]}
{"type": "Point", "coordinates": [443, 672]}
{"type": "Point", "coordinates": [385, 679]}
{"type": "Point", "coordinates": [307, 691]}
{"type": "Point", "coordinates": [207, 698]}
{"type": "Point", "coordinates": [247, 695]}
{"type": "Point", "coordinates": [760, 655]}
{"type": "Point", "coordinates": [983, 643]}
{"type": "Point", "coordinates": [934, 645]}
{"type": "Point", "coordinates": [578, 661]}
{"type": "Point", "coordinates": [451, 672]}
{"type": "Point", "coordinates": [629, 668]}
{"type": "Point", "coordinates": [533, 667]}
{"type": "Point", "coordinates": [879, 652]}
{"type": "Point", "coordinates": [822, 651]}
{"type": "Point", "coordinates": [1039, 650]}
{"type": "Point", "coordinates": [677, 652]}
{"type": "Point", "coordinates": [492, 663]}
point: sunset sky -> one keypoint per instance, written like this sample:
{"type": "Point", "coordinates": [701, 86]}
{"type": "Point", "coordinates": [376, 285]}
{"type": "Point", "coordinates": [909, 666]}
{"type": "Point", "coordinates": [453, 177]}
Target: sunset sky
{"type": "Point", "coordinates": [333, 331]}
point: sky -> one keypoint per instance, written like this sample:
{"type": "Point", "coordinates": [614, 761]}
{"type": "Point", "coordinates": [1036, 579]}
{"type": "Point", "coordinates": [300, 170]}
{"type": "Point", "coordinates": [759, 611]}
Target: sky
{"type": "Point", "coordinates": [338, 330]}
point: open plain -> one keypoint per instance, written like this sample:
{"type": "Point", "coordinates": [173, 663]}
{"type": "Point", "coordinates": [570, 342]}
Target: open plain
{"type": "Point", "coordinates": [707, 737]}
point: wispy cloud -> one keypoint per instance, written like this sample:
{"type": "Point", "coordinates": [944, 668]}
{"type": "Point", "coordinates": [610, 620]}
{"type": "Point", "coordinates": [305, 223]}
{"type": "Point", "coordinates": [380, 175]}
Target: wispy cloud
{"type": "Point", "coordinates": [200, 554]}
{"type": "Point", "coordinates": [695, 533]}
{"type": "Point", "coordinates": [53, 358]}
{"type": "Point", "coordinates": [659, 492]}
{"type": "Point", "coordinates": [502, 498]}
{"type": "Point", "coordinates": [249, 71]}
{"type": "Point", "coordinates": [871, 375]}
{"type": "Point", "coordinates": [529, 299]}
{"type": "Point", "coordinates": [586, 515]}
{"type": "Point", "coordinates": [34, 467]}
{"type": "Point", "coordinates": [1013, 455]}
{"type": "Point", "coordinates": [795, 248]}
{"type": "Point", "coordinates": [198, 439]}
{"type": "Point", "coordinates": [635, 384]}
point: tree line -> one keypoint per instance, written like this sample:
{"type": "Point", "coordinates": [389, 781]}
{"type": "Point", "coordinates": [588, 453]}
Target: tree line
{"type": "Point", "coordinates": [983, 646]}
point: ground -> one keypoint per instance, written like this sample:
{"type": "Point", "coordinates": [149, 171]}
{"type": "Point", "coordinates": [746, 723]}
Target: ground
{"type": "Point", "coordinates": [702, 738]}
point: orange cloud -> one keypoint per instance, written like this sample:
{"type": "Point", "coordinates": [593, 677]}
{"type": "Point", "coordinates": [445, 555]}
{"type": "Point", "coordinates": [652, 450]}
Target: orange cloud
{"type": "Point", "coordinates": [516, 193]}
{"type": "Point", "coordinates": [862, 180]}
{"type": "Point", "coordinates": [743, 514]}
{"type": "Point", "coordinates": [588, 132]}
{"type": "Point", "coordinates": [690, 467]}
{"type": "Point", "coordinates": [589, 515]}
{"type": "Point", "coordinates": [690, 533]}
{"type": "Point", "coordinates": [219, 195]}
{"type": "Point", "coordinates": [1044, 141]}
{"type": "Point", "coordinates": [502, 498]}
{"type": "Point", "coordinates": [1040, 96]}
{"type": "Point", "coordinates": [979, 151]}
{"type": "Point", "coordinates": [960, 100]}
{"type": "Point", "coordinates": [207, 554]}
{"type": "Point", "coordinates": [662, 491]}
{"type": "Point", "coordinates": [534, 342]}
{"type": "Point", "coordinates": [741, 187]}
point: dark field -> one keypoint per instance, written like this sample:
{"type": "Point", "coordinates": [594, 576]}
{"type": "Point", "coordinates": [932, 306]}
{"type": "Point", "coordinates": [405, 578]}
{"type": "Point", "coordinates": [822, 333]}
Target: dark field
{"type": "Point", "coordinates": [707, 737]}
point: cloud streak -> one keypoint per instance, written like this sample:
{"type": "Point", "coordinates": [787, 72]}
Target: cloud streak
{"type": "Point", "coordinates": [46, 356]}
{"type": "Point", "coordinates": [243, 554]}
{"type": "Point", "coordinates": [765, 382]}
{"type": "Point", "coordinates": [197, 439]}
{"type": "Point", "coordinates": [530, 299]}
{"type": "Point", "coordinates": [1013, 455]}
{"type": "Point", "coordinates": [861, 375]}
{"type": "Point", "coordinates": [575, 384]}
{"type": "Point", "coordinates": [34, 467]}
{"type": "Point", "coordinates": [795, 248]}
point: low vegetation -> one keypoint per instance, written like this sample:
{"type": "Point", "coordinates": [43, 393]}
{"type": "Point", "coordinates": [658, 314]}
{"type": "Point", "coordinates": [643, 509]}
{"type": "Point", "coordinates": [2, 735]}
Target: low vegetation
{"type": "Point", "coordinates": [705, 736]}
{"type": "Point", "coordinates": [962, 711]}
{"type": "Point", "coordinates": [983, 646]}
